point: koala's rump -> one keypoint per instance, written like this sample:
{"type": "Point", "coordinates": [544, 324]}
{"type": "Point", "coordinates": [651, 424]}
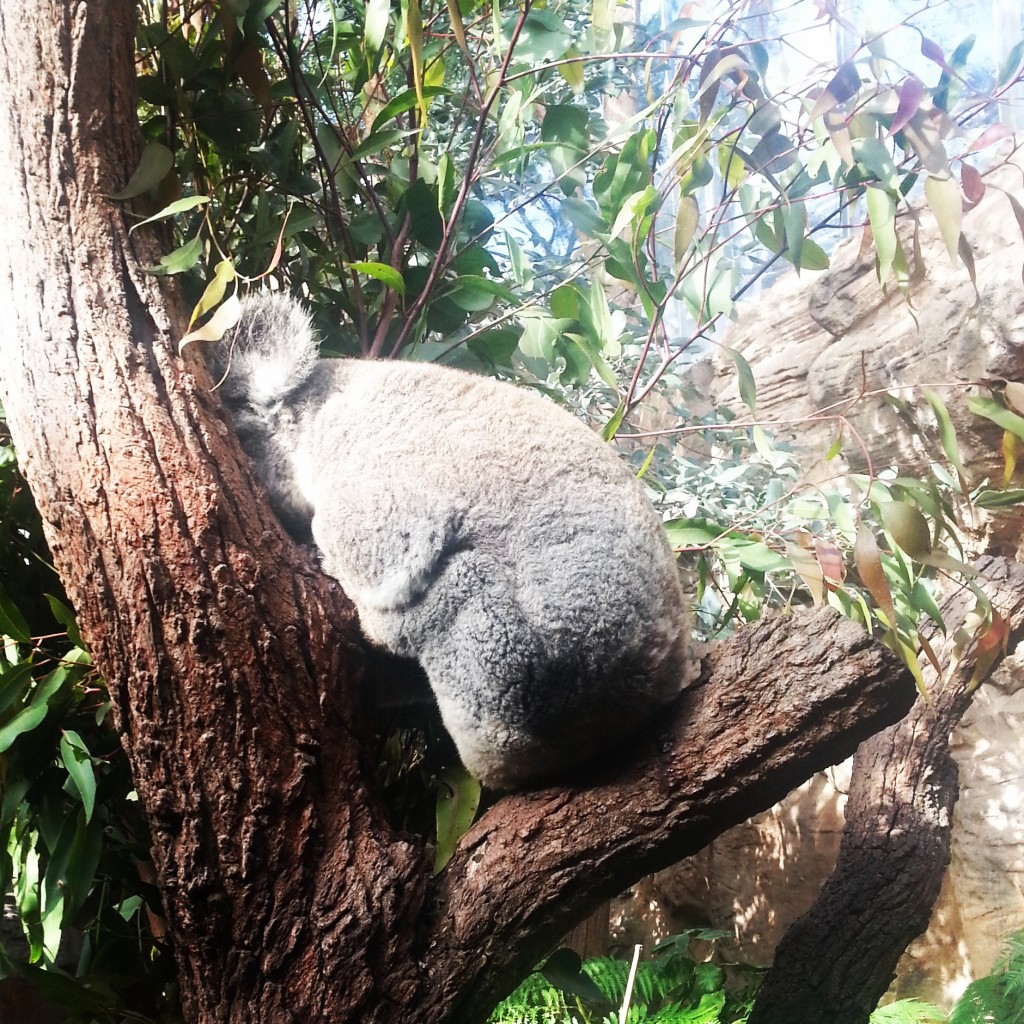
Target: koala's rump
{"type": "Point", "coordinates": [490, 534]}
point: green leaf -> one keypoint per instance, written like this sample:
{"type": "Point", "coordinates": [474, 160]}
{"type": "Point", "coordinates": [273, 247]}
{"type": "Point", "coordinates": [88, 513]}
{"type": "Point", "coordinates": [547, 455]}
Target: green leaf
{"type": "Point", "coordinates": [381, 271]}
{"type": "Point", "coordinates": [997, 413]}
{"type": "Point", "coordinates": [753, 555]}
{"type": "Point", "coordinates": [522, 273]}
{"type": "Point", "coordinates": [457, 801]}
{"type": "Point", "coordinates": [13, 683]}
{"type": "Point", "coordinates": [24, 721]}
{"type": "Point", "coordinates": [692, 533]}
{"type": "Point", "coordinates": [475, 294]}
{"type": "Point", "coordinates": [566, 125]}
{"type": "Point", "coordinates": [583, 216]}
{"type": "Point", "coordinates": [1010, 65]}
{"type": "Point", "coordinates": [947, 434]}
{"type": "Point", "coordinates": [78, 762]}
{"type": "Point", "coordinates": [687, 219]}
{"type": "Point", "coordinates": [544, 36]}
{"type": "Point", "coordinates": [611, 428]}
{"type": "Point", "coordinates": [375, 26]}
{"type": "Point", "coordinates": [178, 206]}
{"type": "Point", "coordinates": [635, 208]}
{"type": "Point", "coordinates": [156, 163]}
{"type": "Point", "coordinates": [374, 143]}
{"type": "Point", "coordinates": [747, 387]}
{"type": "Point", "coordinates": [944, 199]}
{"type": "Point", "coordinates": [1000, 499]}
{"type": "Point", "coordinates": [882, 215]}
{"type": "Point", "coordinates": [12, 622]}
{"type": "Point", "coordinates": [66, 617]}
{"type": "Point", "coordinates": [185, 257]}
{"type": "Point", "coordinates": [414, 36]}
{"type": "Point", "coordinates": [402, 103]}
{"type": "Point", "coordinates": [564, 969]}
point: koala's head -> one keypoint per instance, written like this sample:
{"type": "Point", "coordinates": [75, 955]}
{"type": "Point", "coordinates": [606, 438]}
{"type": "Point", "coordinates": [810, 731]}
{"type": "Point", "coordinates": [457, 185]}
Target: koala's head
{"type": "Point", "coordinates": [269, 354]}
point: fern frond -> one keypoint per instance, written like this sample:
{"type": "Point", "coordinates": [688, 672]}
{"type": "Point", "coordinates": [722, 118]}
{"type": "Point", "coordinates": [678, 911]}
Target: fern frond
{"type": "Point", "coordinates": [908, 1011]}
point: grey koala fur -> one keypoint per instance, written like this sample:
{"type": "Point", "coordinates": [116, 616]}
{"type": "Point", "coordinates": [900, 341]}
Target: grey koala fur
{"type": "Point", "coordinates": [478, 528]}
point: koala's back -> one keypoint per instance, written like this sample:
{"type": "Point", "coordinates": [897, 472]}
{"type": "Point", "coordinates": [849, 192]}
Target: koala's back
{"type": "Point", "coordinates": [491, 535]}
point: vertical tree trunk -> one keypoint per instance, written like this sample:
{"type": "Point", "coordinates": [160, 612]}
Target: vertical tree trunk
{"type": "Point", "coordinates": [232, 662]}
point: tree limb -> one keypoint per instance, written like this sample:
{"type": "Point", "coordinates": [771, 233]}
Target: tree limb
{"type": "Point", "coordinates": [837, 961]}
{"type": "Point", "coordinates": [775, 704]}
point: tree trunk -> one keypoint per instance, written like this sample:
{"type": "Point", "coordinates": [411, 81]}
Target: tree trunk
{"type": "Point", "coordinates": [838, 960]}
{"type": "Point", "coordinates": [235, 666]}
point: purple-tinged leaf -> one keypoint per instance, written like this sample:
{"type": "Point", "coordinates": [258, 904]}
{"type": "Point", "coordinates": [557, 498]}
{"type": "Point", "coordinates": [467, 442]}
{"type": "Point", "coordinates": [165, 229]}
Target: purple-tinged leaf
{"type": "Point", "coordinates": [911, 94]}
{"type": "Point", "coordinates": [844, 86]}
{"type": "Point", "coordinates": [933, 52]}
{"type": "Point", "coordinates": [992, 134]}
{"type": "Point", "coordinates": [972, 183]}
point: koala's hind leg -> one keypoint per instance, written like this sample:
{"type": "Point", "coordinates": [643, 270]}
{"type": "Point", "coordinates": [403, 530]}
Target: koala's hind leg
{"type": "Point", "coordinates": [488, 669]}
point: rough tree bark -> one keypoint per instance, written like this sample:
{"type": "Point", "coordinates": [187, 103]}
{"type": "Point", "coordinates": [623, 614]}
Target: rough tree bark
{"type": "Point", "coordinates": [838, 960]}
{"type": "Point", "coordinates": [235, 666]}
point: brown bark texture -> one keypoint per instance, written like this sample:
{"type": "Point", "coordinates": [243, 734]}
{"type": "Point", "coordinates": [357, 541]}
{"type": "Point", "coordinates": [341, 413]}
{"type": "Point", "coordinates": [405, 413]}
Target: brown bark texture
{"type": "Point", "coordinates": [235, 666]}
{"type": "Point", "coordinates": [838, 960]}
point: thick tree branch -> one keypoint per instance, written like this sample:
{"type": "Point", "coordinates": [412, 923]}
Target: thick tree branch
{"type": "Point", "coordinates": [777, 703]}
{"type": "Point", "coordinates": [837, 961]}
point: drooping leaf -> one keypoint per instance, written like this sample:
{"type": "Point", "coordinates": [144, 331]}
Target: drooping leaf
{"type": "Point", "coordinates": [611, 428]}
{"type": "Point", "coordinates": [972, 183]}
{"type": "Point", "coordinates": [947, 435]}
{"type": "Point", "coordinates": [842, 87]}
{"type": "Point", "coordinates": [1011, 448]}
{"type": "Point", "coordinates": [808, 569]}
{"type": "Point", "coordinates": [156, 162]}
{"type": "Point", "coordinates": [224, 318]}
{"type": "Point", "coordinates": [869, 568]}
{"type": "Point", "coordinates": [66, 617]}
{"type": "Point", "coordinates": [414, 36]}
{"type": "Point", "coordinates": [882, 216]}
{"type": "Point", "coordinates": [564, 969]}
{"type": "Point", "coordinates": [375, 26]}
{"type": "Point", "coordinates": [907, 527]}
{"type": "Point", "coordinates": [943, 195]}
{"type": "Point", "coordinates": [78, 763]}
{"type": "Point", "coordinates": [12, 622]}
{"type": "Point", "coordinates": [457, 801]}
{"type": "Point", "coordinates": [911, 95]}
{"type": "Point", "coordinates": [745, 378]}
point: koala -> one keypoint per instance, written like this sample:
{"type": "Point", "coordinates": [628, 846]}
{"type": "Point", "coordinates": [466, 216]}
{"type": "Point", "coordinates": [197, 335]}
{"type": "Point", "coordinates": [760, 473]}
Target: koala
{"type": "Point", "coordinates": [479, 529]}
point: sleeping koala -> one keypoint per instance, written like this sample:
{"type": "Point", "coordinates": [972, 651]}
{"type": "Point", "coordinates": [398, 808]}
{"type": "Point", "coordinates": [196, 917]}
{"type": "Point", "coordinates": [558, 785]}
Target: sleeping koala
{"type": "Point", "coordinates": [477, 528]}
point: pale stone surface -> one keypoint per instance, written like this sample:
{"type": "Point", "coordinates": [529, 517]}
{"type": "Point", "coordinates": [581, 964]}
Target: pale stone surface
{"type": "Point", "coordinates": [818, 344]}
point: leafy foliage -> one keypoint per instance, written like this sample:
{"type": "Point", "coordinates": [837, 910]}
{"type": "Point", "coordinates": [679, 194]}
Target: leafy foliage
{"type": "Point", "coordinates": [997, 998]}
{"type": "Point", "coordinates": [447, 182]}
{"type": "Point", "coordinates": [74, 848]}
{"type": "Point", "coordinates": [673, 987]}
